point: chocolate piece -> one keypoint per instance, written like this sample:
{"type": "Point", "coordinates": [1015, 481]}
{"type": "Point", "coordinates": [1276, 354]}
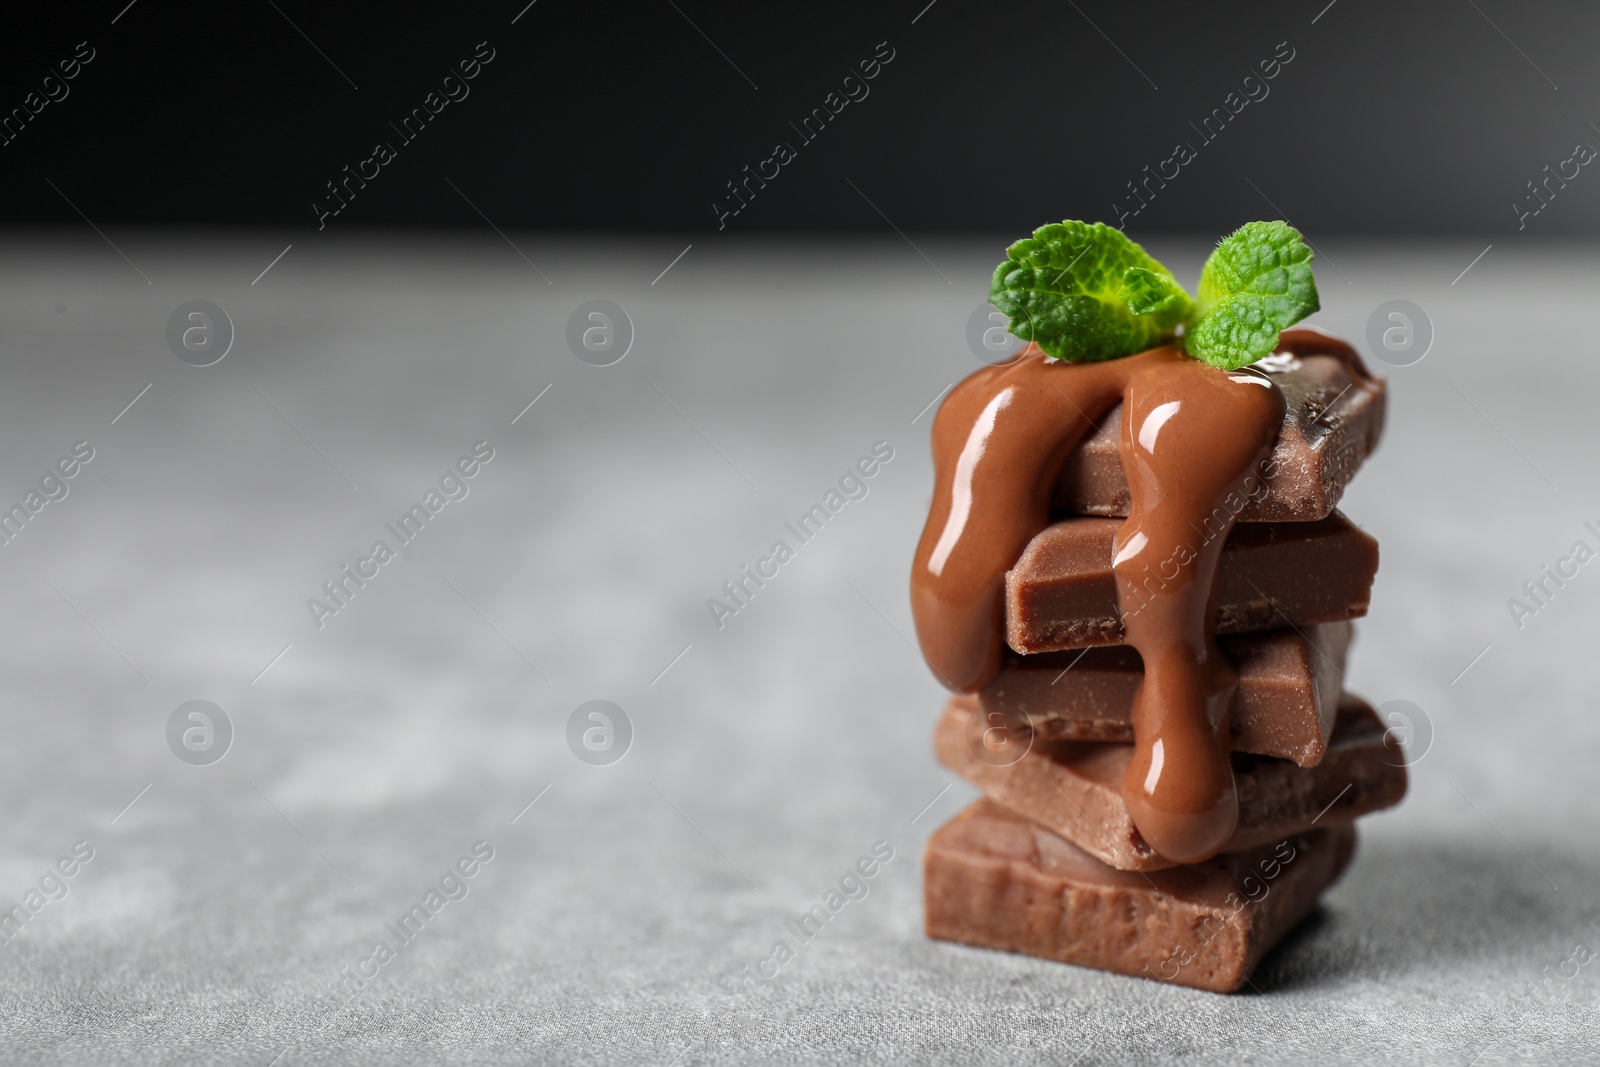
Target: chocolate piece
{"type": "Point", "coordinates": [994, 880]}
{"type": "Point", "coordinates": [1073, 788]}
{"type": "Point", "coordinates": [1062, 593]}
{"type": "Point", "coordinates": [1332, 422]}
{"type": "Point", "coordinates": [1289, 683]}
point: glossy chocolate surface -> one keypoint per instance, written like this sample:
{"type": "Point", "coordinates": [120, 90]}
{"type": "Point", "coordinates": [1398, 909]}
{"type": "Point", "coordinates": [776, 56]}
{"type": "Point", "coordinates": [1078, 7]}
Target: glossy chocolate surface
{"type": "Point", "coordinates": [1333, 420]}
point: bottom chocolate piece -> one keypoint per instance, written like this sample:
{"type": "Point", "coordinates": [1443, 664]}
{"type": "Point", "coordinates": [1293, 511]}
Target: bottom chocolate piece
{"type": "Point", "coordinates": [995, 880]}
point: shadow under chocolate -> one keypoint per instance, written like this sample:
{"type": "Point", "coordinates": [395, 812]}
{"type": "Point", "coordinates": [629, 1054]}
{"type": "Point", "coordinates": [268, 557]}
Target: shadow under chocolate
{"type": "Point", "coordinates": [1407, 910]}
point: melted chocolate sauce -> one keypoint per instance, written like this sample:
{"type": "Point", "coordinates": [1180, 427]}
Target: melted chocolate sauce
{"type": "Point", "coordinates": [1191, 435]}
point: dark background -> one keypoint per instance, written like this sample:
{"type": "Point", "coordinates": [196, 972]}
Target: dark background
{"type": "Point", "coordinates": [1415, 118]}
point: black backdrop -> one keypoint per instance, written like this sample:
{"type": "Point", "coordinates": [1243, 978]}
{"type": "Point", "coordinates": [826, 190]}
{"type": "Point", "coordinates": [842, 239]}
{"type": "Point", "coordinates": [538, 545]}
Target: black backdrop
{"type": "Point", "coordinates": [1423, 117]}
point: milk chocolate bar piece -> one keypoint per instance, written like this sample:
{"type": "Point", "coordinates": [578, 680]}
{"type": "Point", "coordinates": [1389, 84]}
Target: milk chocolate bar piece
{"type": "Point", "coordinates": [1332, 423]}
{"type": "Point", "coordinates": [1062, 593]}
{"type": "Point", "coordinates": [1073, 788]}
{"type": "Point", "coordinates": [994, 880]}
{"type": "Point", "coordinates": [1288, 695]}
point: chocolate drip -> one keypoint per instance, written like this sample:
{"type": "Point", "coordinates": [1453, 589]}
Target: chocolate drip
{"type": "Point", "coordinates": [1191, 435]}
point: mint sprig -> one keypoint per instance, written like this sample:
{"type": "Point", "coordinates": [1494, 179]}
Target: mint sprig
{"type": "Point", "coordinates": [1085, 293]}
{"type": "Point", "coordinates": [1064, 287]}
{"type": "Point", "coordinates": [1256, 284]}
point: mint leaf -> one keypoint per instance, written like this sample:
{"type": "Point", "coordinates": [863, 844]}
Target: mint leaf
{"type": "Point", "coordinates": [1063, 289]}
{"type": "Point", "coordinates": [1256, 283]}
{"type": "Point", "coordinates": [1157, 295]}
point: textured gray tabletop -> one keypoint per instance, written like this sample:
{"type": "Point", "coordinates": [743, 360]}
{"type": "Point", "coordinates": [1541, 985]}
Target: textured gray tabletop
{"type": "Point", "coordinates": [230, 912]}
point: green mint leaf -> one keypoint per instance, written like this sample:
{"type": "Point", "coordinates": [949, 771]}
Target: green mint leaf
{"type": "Point", "coordinates": [1157, 295]}
{"type": "Point", "coordinates": [1063, 289]}
{"type": "Point", "coordinates": [1255, 284]}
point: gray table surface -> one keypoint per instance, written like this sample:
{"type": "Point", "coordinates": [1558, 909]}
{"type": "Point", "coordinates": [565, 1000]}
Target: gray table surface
{"type": "Point", "coordinates": [221, 910]}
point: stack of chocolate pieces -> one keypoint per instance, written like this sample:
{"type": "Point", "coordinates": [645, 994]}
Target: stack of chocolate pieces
{"type": "Point", "coordinates": [1050, 862]}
